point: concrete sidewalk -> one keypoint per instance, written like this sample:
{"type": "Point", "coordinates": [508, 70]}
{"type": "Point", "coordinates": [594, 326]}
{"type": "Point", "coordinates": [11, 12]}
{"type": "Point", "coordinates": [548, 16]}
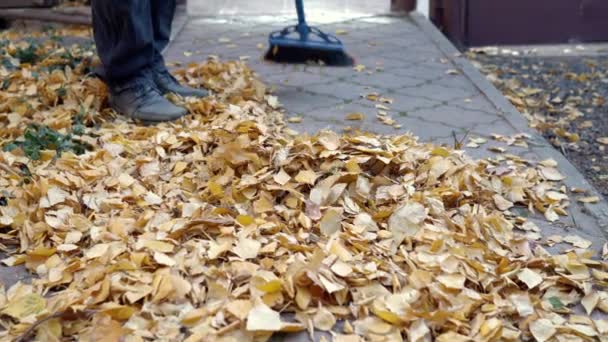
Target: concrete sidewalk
{"type": "Point", "coordinates": [435, 92]}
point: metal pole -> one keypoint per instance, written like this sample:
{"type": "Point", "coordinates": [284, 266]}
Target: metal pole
{"type": "Point", "coordinates": [302, 26]}
{"type": "Point", "coordinates": [300, 10]}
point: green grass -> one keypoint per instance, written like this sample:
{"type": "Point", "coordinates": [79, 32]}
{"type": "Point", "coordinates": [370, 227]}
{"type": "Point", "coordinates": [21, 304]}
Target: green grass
{"type": "Point", "coordinates": [40, 138]}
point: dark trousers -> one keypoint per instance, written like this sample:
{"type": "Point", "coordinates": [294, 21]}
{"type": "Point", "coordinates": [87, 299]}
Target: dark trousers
{"type": "Point", "coordinates": [130, 36]}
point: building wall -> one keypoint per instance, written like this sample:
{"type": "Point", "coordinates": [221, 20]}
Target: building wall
{"type": "Point", "coordinates": [286, 7]}
{"type": "Point", "coordinates": [423, 7]}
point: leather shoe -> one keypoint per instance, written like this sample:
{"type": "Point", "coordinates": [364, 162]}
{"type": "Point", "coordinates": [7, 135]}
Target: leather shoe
{"type": "Point", "coordinates": [140, 99]}
{"type": "Point", "coordinates": [166, 83]}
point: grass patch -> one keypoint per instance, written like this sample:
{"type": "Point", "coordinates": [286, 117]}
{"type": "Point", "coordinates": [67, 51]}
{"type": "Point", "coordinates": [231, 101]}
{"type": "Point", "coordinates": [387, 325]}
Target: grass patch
{"type": "Point", "coordinates": [40, 138]}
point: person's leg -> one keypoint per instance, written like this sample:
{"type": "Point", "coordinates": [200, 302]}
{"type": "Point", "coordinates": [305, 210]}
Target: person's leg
{"type": "Point", "coordinates": [162, 18]}
{"type": "Point", "coordinates": [124, 37]}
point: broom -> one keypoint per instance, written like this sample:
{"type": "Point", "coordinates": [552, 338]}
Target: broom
{"type": "Point", "coordinates": [305, 44]}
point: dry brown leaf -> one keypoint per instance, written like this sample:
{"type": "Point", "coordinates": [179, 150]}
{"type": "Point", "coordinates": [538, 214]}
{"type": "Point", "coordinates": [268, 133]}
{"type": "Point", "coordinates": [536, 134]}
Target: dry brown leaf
{"type": "Point", "coordinates": [419, 331]}
{"type": "Point", "coordinates": [551, 173]}
{"type": "Point", "coordinates": [590, 301]}
{"type": "Point", "coordinates": [331, 221]}
{"type": "Point", "coordinates": [603, 140]}
{"type": "Point", "coordinates": [27, 305]}
{"type": "Point", "coordinates": [407, 220]}
{"type": "Point", "coordinates": [282, 177]}
{"type": "Point", "coordinates": [306, 177]}
{"type": "Point", "coordinates": [239, 308]}
{"type": "Point", "coordinates": [359, 68]}
{"type": "Point", "coordinates": [522, 304]}
{"type": "Point", "coordinates": [323, 319]}
{"type": "Point", "coordinates": [354, 116]}
{"type": "Point", "coordinates": [578, 241]}
{"type": "Point", "coordinates": [247, 248]}
{"type": "Point", "coordinates": [164, 259]}
{"type": "Point", "coordinates": [452, 281]}
{"type": "Point", "coordinates": [502, 203]}
{"type": "Point", "coordinates": [590, 199]}
{"type": "Point", "coordinates": [263, 318]}
{"type": "Point", "coordinates": [530, 277]}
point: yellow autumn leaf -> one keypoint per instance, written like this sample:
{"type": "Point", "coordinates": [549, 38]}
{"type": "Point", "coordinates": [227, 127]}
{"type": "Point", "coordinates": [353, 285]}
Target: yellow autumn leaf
{"type": "Point", "coordinates": [117, 311]}
{"type": "Point", "coordinates": [354, 116]}
{"type": "Point", "coordinates": [306, 177]}
{"type": "Point", "coordinates": [29, 304]}
{"type": "Point", "coordinates": [323, 319]}
{"type": "Point", "coordinates": [263, 318]}
{"type": "Point", "coordinates": [590, 199]}
{"type": "Point", "coordinates": [603, 140]}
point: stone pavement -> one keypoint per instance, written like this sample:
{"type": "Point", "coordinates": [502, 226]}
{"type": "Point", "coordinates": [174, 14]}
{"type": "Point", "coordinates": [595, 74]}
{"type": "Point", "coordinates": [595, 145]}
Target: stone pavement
{"type": "Point", "coordinates": [401, 64]}
{"type": "Point", "coordinates": [437, 94]}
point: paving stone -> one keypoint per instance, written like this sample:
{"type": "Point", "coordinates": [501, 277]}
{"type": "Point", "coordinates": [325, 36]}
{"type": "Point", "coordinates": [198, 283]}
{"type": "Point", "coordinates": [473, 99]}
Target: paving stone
{"type": "Point", "coordinates": [386, 80]}
{"type": "Point", "coordinates": [457, 82]}
{"type": "Point", "coordinates": [251, 40]}
{"type": "Point", "coordinates": [334, 117]}
{"type": "Point", "coordinates": [499, 126]}
{"type": "Point", "coordinates": [454, 116]}
{"type": "Point", "coordinates": [371, 47]}
{"type": "Point", "coordinates": [298, 78]}
{"type": "Point", "coordinates": [420, 72]}
{"type": "Point", "coordinates": [425, 130]}
{"type": "Point", "coordinates": [374, 61]}
{"type": "Point", "coordinates": [436, 92]}
{"type": "Point", "coordinates": [343, 90]}
{"type": "Point", "coordinates": [184, 60]}
{"type": "Point", "coordinates": [195, 28]}
{"type": "Point", "coordinates": [408, 104]}
{"type": "Point", "coordinates": [404, 37]}
{"type": "Point", "coordinates": [380, 32]}
{"type": "Point", "coordinates": [407, 55]}
{"type": "Point", "coordinates": [265, 69]}
{"type": "Point", "coordinates": [393, 27]}
{"type": "Point", "coordinates": [297, 101]}
{"type": "Point", "coordinates": [11, 275]}
{"type": "Point", "coordinates": [477, 102]}
{"type": "Point", "coordinates": [439, 62]}
{"type": "Point", "coordinates": [342, 72]}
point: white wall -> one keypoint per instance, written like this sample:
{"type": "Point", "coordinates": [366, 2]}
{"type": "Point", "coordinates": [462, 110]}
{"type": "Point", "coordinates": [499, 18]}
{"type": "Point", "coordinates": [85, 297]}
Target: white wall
{"type": "Point", "coordinates": [423, 7]}
{"type": "Point", "coordinates": [286, 7]}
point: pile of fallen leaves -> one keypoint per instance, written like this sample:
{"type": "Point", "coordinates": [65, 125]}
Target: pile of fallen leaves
{"type": "Point", "coordinates": [555, 109]}
{"type": "Point", "coordinates": [563, 97]}
{"type": "Point", "coordinates": [227, 226]}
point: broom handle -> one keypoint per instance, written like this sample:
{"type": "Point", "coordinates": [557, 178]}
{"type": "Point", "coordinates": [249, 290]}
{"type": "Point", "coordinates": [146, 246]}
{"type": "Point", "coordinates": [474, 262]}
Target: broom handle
{"type": "Point", "coordinates": [300, 10]}
{"type": "Point", "coordinates": [302, 27]}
